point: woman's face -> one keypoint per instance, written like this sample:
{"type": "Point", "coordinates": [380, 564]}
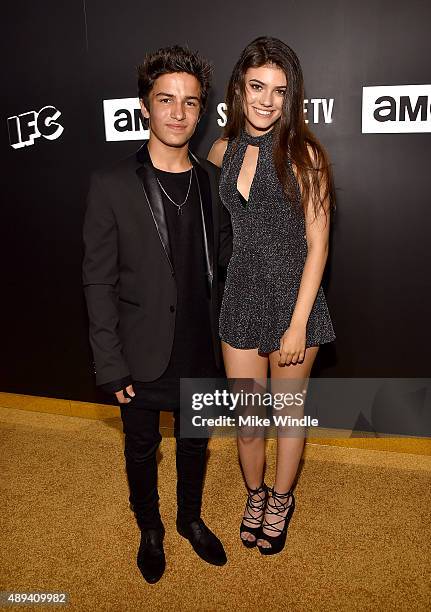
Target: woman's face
{"type": "Point", "coordinates": [265, 89]}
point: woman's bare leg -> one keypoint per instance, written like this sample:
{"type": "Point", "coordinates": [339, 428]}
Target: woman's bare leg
{"type": "Point", "coordinates": [290, 378]}
{"type": "Point", "coordinates": [248, 364]}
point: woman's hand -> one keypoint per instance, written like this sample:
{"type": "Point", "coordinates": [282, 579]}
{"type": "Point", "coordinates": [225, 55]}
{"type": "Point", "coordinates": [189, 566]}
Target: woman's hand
{"type": "Point", "coordinates": [292, 345]}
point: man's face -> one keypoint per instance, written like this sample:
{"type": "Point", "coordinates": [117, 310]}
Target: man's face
{"type": "Point", "coordinates": [174, 108]}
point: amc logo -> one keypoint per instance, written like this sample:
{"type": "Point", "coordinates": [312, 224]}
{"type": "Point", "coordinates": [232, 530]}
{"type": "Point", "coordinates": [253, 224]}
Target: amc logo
{"type": "Point", "coordinates": [25, 128]}
{"type": "Point", "coordinates": [396, 109]}
{"type": "Point", "coordinates": [123, 120]}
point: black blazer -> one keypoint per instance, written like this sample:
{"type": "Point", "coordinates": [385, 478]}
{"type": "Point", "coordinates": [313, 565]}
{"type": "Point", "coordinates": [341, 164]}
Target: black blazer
{"type": "Point", "coordinates": [128, 276]}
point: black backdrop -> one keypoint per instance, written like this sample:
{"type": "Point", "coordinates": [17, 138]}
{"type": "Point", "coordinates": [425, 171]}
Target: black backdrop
{"type": "Point", "coordinates": [74, 55]}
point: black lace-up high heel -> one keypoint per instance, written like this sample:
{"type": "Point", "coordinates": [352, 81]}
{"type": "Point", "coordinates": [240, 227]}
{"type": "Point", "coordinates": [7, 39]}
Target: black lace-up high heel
{"type": "Point", "coordinates": [256, 502]}
{"type": "Point", "coordinates": [277, 508]}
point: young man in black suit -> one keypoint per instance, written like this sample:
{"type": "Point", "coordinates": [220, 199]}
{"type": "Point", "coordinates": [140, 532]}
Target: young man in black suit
{"type": "Point", "coordinates": [157, 239]}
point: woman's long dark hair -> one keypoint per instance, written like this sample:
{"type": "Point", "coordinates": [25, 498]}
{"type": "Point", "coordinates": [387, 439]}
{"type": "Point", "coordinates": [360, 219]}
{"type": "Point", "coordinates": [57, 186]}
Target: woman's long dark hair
{"type": "Point", "coordinates": [292, 138]}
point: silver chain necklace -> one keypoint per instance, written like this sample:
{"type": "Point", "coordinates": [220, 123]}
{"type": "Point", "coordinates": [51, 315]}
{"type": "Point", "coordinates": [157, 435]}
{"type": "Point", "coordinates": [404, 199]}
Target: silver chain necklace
{"type": "Point", "coordinates": [179, 206]}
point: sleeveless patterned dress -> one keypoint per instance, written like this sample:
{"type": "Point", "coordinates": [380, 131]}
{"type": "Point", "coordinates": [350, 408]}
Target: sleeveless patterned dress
{"type": "Point", "coordinates": [269, 252]}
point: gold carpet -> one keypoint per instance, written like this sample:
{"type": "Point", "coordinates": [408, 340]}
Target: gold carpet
{"type": "Point", "coordinates": [359, 538]}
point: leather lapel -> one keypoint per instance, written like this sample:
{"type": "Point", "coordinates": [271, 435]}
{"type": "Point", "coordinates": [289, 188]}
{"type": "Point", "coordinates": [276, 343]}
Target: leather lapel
{"type": "Point", "coordinates": [154, 198]}
{"type": "Point", "coordinates": [206, 214]}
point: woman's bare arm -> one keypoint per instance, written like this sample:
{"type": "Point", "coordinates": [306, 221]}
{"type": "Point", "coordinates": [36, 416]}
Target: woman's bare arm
{"type": "Point", "coordinates": [217, 151]}
{"type": "Point", "coordinates": [317, 234]}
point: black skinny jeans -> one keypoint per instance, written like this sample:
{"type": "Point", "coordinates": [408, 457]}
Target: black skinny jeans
{"type": "Point", "coordinates": [142, 439]}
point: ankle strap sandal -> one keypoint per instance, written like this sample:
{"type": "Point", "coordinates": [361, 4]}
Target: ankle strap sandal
{"type": "Point", "coordinates": [279, 527]}
{"type": "Point", "coordinates": [256, 503]}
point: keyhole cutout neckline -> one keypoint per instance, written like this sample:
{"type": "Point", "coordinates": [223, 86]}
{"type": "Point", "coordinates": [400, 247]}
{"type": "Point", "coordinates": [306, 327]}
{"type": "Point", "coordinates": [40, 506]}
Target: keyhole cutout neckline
{"type": "Point", "coordinates": [254, 141]}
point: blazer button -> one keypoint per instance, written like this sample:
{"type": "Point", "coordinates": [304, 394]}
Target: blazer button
{"type": "Point", "coordinates": [172, 308]}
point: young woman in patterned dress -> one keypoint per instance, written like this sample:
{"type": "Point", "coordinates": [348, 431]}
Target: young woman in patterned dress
{"type": "Point", "coordinates": [276, 183]}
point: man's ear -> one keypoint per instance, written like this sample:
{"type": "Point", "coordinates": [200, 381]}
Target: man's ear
{"type": "Point", "coordinates": [144, 109]}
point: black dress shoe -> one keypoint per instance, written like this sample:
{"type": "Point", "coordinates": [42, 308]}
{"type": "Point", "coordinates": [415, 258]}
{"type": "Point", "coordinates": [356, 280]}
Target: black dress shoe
{"type": "Point", "coordinates": [151, 556]}
{"type": "Point", "coordinates": [204, 542]}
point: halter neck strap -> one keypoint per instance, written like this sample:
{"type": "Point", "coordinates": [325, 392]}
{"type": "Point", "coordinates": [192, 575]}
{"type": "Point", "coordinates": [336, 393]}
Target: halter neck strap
{"type": "Point", "coordinates": [256, 141]}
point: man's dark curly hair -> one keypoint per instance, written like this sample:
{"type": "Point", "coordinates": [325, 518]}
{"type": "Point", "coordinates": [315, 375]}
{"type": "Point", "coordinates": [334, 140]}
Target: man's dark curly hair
{"type": "Point", "coordinates": [173, 59]}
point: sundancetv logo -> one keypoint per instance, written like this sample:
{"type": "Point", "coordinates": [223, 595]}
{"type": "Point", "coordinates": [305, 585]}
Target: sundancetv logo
{"type": "Point", "coordinates": [123, 120]}
{"type": "Point", "coordinates": [396, 109]}
{"type": "Point", "coordinates": [316, 110]}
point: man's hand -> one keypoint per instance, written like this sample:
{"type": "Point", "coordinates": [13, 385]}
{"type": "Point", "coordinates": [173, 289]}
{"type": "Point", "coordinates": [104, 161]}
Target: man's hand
{"type": "Point", "coordinates": [121, 397]}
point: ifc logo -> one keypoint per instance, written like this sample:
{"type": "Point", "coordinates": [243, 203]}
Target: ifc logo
{"type": "Point", "coordinates": [25, 128]}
